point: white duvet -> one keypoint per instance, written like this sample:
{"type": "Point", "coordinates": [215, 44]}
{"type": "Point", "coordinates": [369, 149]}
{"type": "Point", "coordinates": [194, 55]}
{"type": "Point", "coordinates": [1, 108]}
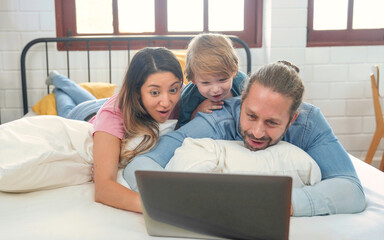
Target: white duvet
{"type": "Point", "coordinates": [46, 152]}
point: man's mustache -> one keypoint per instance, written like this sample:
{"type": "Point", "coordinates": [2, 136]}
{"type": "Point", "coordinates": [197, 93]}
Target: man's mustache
{"type": "Point", "coordinates": [258, 139]}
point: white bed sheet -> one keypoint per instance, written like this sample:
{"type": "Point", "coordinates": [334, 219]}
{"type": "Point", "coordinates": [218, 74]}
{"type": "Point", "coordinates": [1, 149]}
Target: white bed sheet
{"type": "Point", "coordinates": [71, 213]}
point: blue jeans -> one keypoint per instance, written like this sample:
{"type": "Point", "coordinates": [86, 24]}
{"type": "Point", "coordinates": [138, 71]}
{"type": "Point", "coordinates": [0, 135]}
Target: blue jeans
{"type": "Point", "coordinates": [73, 101]}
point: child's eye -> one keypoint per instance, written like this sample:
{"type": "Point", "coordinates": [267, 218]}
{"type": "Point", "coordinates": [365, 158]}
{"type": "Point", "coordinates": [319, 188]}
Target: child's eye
{"type": "Point", "coordinates": [223, 80]}
{"type": "Point", "coordinates": [154, 93]}
{"type": "Point", "coordinates": [205, 83]}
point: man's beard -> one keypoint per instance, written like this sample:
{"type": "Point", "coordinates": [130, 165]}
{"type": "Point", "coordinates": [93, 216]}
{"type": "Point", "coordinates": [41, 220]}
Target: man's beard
{"type": "Point", "coordinates": [266, 139]}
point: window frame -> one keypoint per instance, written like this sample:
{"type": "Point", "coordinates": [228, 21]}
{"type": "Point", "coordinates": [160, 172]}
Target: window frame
{"type": "Point", "coordinates": [348, 37]}
{"type": "Point", "coordinates": [252, 34]}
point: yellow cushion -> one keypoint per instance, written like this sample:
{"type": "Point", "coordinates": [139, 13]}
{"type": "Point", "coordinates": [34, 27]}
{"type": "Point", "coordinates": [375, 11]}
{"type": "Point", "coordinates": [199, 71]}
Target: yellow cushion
{"type": "Point", "coordinates": [181, 56]}
{"type": "Point", "coordinates": [99, 89]}
{"type": "Point", "coordinates": [47, 105]}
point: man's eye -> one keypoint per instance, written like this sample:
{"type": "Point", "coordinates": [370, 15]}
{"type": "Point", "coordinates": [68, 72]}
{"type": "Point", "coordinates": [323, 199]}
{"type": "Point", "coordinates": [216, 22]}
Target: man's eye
{"type": "Point", "coordinates": [252, 117]}
{"type": "Point", "coordinates": [272, 123]}
{"type": "Point", "coordinates": [155, 93]}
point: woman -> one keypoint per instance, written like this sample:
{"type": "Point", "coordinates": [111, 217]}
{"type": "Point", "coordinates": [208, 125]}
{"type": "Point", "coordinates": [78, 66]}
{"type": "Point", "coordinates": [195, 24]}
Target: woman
{"type": "Point", "coordinates": [150, 91]}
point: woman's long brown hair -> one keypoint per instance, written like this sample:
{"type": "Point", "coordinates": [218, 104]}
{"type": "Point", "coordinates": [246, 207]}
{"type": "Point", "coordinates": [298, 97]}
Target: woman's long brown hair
{"type": "Point", "coordinates": [136, 120]}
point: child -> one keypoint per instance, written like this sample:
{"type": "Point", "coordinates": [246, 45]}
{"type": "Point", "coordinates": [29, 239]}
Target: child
{"type": "Point", "coordinates": [213, 71]}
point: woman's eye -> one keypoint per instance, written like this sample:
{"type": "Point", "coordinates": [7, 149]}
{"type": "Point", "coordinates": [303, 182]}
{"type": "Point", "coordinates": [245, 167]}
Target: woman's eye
{"type": "Point", "coordinates": [174, 90]}
{"type": "Point", "coordinates": [155, 93]}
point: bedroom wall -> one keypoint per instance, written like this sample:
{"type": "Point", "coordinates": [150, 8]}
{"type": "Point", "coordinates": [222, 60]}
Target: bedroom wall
{"type": "Point", "coordinates": [336, 78]}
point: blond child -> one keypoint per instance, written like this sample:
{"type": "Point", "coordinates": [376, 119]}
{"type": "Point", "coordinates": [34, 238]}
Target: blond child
{"type": "Point", "coordinates": [213, 71]}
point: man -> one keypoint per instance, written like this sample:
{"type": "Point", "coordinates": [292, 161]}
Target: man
{"type": "Point", "coordinates": [267, 113]}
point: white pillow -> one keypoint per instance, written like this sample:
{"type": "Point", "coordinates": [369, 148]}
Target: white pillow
{"type": "Point", "coordinates": [221, 156]}
{"type": "Point", "coordinates": [45, 152]}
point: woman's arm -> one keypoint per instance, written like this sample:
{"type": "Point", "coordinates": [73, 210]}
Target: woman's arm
{"type": "Point", "coordinates": [106, 151]}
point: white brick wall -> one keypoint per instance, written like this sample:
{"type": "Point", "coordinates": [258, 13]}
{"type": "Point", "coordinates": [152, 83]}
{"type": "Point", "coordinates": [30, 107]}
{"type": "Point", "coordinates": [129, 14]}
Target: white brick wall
{"type": "Point", "coordinates": [336, 78]}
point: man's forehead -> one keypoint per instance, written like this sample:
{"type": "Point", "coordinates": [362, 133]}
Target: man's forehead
{"type": "Point", "coordinates": [264, 101]}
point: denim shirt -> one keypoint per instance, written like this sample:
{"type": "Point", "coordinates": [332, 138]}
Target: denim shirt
{"type": "Point", "coordinates": [339, 191]}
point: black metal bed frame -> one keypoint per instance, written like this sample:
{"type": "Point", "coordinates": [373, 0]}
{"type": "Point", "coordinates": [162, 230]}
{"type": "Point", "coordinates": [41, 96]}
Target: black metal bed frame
{"type": "Point", "coordinates": [109, 39]}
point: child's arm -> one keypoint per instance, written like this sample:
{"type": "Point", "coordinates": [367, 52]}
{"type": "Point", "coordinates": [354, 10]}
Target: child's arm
{"type": "Point", "coordinates": [207, 106]}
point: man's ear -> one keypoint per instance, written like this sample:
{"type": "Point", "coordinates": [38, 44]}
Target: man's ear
{"type": "Point", "coordinates": [294, 118]}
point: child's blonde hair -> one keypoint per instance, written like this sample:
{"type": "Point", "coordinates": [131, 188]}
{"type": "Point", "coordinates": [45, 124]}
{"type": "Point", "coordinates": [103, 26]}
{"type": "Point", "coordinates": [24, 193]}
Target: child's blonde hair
{"type": "Point", "coordinates": [211, 54]}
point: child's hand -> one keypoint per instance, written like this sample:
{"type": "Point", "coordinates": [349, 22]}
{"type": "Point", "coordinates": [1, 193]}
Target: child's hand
{"type": "Point", "coordinates": [207, 106]}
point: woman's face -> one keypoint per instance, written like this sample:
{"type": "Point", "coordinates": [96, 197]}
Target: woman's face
{"type": "Point", "coordinates": [160, 94]}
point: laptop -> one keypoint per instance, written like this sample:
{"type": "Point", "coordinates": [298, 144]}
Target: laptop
{"type": "Point", "coordinates": [215, 206]}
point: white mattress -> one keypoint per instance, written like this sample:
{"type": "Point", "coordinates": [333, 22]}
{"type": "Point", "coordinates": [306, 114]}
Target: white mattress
{"type": "Point", "coordinates": [71, 213]}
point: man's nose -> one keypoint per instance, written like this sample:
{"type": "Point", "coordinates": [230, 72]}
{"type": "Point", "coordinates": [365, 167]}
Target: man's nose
{"type": "Point", "coordinates": [258, 129]}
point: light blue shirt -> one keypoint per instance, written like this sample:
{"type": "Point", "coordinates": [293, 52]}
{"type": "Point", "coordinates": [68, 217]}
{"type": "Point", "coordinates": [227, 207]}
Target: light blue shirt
{"type": "Point", "coordinates": [339, 191]}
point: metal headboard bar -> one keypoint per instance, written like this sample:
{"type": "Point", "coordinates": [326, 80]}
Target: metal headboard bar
{"type": "Point", "coordinates": [110, 61]}
{"type": "Point", "coordinates": [47, 62]}
{"type": "Point", "coordinates": [67, 50]}
{"type": "Point", "coordinates": [108, 39]}
{"type": "Point", "coordinates": [89, 63]}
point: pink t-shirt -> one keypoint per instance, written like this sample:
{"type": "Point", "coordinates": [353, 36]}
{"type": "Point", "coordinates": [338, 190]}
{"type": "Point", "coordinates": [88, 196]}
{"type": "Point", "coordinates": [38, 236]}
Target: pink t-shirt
{"type": "Point", "coordinates": [109, 119]}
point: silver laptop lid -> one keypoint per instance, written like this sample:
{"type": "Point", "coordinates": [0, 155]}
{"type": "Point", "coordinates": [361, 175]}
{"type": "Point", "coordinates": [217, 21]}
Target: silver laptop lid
{"type": "Point", "coordinates": [221, 205]}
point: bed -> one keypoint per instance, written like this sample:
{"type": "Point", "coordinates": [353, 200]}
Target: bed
{"type": "Point", "coordinates": [68, 211]}
{"type": "Point", "coordinates": [71, 213]}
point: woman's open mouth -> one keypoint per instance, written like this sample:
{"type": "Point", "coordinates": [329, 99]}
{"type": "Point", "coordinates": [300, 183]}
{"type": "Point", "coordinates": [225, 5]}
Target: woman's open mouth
{"type": "Point", "coordinates": [164, 113]}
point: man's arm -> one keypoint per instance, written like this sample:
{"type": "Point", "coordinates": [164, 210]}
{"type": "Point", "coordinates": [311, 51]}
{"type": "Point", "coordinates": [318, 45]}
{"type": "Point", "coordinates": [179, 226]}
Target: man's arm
{"type": "Point", "coordinates": [203, 125]}
{"type": "Point", "coordinates": [340, 190]}
{"type": "Point", "coordinates": [331, 196]}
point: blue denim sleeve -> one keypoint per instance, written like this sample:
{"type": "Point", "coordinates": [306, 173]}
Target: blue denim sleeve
{"type": "Point", "coordinates": [331, 196]}
{"type": "Point", "coordinates": [203, 125]}
{"type": "Point", "coordinates": [139, 163]}
{"type": "Point", "coordinates": [340, 190]}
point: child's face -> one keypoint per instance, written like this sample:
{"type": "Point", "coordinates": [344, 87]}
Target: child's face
{"type": "Point", "coordinates": [214, 87]}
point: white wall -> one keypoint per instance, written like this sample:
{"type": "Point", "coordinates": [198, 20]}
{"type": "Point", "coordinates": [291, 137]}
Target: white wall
{"type": "Point", "coordinates": [336, 78]}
